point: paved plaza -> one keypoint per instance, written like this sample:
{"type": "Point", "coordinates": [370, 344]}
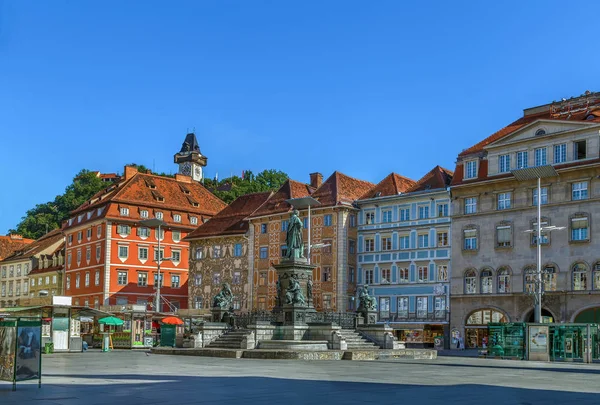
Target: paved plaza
{"type": "Point", "coordinates": [125, 377]}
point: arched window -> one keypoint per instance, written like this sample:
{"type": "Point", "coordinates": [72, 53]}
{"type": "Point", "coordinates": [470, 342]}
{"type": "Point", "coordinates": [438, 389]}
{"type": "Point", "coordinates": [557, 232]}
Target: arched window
{"type": "Point", "coordinates": [529, 274]}
{"type": "Point", "coordinates": [540, 131]}
{"type": "Point", "coordinates": [549, 277]}
{"type": "Point", "coordinates": [470, 282]}
{"type": "Point", "coordinates": [503, 280]}
{"type": "Point", "coordinates": [486, 281]}
{"type": "Point", "coordinates": [579, 277]}
{"type": "Point", "coordinates": [482, 317]}
{"type": "Point", "coordinates": [596, 276]}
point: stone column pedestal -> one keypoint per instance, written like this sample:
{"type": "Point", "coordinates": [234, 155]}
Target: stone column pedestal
{"type": "Point", "coordinates": [220, 315]}
{"type": "Point", "coordinates": [294, 306]}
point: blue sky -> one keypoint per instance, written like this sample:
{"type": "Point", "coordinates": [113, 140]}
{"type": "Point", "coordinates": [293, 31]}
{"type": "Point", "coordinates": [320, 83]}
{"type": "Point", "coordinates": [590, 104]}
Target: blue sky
{"type": "Point", "coordinates": [362, 87]}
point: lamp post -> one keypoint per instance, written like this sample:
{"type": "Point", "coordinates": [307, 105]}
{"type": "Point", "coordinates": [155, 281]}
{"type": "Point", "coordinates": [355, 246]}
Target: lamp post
{"type": "Point", "coordinates": [538, 173]}
{"type": "Point", "coordinates": [155, 222]}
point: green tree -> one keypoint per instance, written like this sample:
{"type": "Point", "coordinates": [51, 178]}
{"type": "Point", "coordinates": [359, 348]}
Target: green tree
{"type": "Point", "coordinates": [233, 187]}
{"type": "Point", "coordinates": [50, 215]}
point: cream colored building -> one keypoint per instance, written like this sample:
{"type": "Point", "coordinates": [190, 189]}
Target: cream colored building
{"type": "Point", "coordinates": [15, 269]}
{"type": "Point", "coordinates": [493, 257]}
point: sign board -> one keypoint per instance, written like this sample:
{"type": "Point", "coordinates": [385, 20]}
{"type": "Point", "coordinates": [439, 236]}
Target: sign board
{"type": "Point", "coordinates": [59, 300]}
{"type": "Point", "coordinates": [8, 344]}
{"type": "Point", "coordinates": [28, 360]}
{"type": "Point", "coordinates": [20, 350]}
{"type": "Point", "coordinates": [538, 342]}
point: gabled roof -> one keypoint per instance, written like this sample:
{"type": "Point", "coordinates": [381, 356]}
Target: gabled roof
{"type": "Point", "coordinates": [393, 184]}
{"type": "Point", "coordinates": [38, 270]}
{"type": "Point", "coordinates": [277, 202]}
{"type": "Point", "coordinates": [231, 220]}
{"type": "Point", "coordinates": [37, 247]}
{"type": "Point", "coordinates": [179, 194]}
{"type": "Point", "coordinates": [585, 108]}
{"type": "Point", "coordinates": [341, 189]}
{"type": "Point", "coordinates": [436, 178]}
{"type": "Point", "coordinates": [11, 243]}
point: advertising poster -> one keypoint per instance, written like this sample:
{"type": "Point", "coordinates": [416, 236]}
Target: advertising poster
{"type": "Point", "coordinates": [538, 339]}
{"type": "Point", "coordinates": [28, 353]}
{"type": "Point", "coordinates": [7, 350]}
{"type": "Point", "coordinates": [569, 345]}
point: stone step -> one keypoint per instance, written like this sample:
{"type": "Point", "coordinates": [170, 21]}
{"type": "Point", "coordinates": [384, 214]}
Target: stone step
{"type": "Point", "coordinates": [361, 347]}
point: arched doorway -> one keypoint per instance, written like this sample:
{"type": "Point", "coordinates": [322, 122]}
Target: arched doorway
{"type": "Point", "coordinates": [476, 326]}
{"type": "Point", "coordinates": [590, 315]}
{"type": "Point", "coordinates": [545, 314]}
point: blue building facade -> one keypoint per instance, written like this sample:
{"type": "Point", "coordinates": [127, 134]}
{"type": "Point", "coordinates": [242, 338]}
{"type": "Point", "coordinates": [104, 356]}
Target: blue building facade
{"type": "Point", "coordinates": [404, 255]}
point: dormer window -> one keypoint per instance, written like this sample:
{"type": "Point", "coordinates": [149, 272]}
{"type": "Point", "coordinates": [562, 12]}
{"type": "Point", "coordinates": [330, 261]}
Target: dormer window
{"type": "Point", "coordinates": [194, 220]}
{"type": "Point", "coordinates": [540, 131]}
{"type": "Point", "coordinates": [176, 217]}
{"type": "Point", "coordinates": [144, 213]}
{"type": "Point", "coordinates": [159, 215]}
{"type": "Point", "coordinates": [79, 218]}
{"type": "Point", "coordinates": [158, 196]}
{"type": "Point", "coordinates": [193, 202]}
{"type": "Point", "coordinates": [150, 184]}
{"type": "Point", "coordinates": [471, 169]}
{"type": "Point", "coordinates": [124, 211]}
{"type": "Point", "coordinates": [184, 189]}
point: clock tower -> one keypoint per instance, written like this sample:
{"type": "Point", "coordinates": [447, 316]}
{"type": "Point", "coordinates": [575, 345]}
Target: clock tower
{"type": "Point", "coordinates": [191, 162]}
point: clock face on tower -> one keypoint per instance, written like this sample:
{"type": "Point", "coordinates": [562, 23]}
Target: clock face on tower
{"type": "Point", "coordinates": [197, 173]}
{"type": "Point", "coordinates": [186, 169]}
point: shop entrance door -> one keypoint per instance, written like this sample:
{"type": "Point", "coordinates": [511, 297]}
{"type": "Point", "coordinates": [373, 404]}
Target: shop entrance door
{"type": "Point", "coordinates": [138, 332]}
{"type": "Point", "coordinates": [474, 338]}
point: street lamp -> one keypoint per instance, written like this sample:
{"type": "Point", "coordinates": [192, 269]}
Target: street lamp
{"type": "Point", "coordinates": [531, 173]}
{"type": "Point", "coordinates": [152, 223]}
{"type": "Point", "coordinates": [301, 203]}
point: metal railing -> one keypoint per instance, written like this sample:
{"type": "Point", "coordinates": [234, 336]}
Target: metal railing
{"type": "Point", "coordinates": [347, 320]}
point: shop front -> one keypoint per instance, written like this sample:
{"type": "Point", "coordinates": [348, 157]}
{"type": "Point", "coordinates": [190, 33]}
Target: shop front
{"type": "Point", "coordinates": [476, 327]}
{"type": "Point", "coordinates": [61, 322]}
{"type": "Point", "coordinates": [136, 331]}
{"type": "Point", "coordinates": [421, 335]}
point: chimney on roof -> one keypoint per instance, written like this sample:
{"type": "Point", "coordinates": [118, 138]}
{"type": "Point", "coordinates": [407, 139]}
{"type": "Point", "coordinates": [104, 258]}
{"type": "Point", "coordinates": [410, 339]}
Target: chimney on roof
{"type": "Point", "coordinates": [183, 178]}
{"type": "Point", "coordinates": [316, 179]}
{"type": "Point", "coordinates": [130, 172]}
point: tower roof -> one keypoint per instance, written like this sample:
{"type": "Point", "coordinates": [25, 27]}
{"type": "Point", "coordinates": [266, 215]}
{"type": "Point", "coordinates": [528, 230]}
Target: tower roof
{"type": "Point", "coordinates": [190, 144]}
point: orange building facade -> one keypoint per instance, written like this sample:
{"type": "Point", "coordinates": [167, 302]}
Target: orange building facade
{"type": "Point", "coordinates": [111, 256]}
{"type": "Point", "coordinates": [333, 223]}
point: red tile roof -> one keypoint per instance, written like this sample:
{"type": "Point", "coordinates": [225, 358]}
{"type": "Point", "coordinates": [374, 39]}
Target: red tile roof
{"type": "Point", "coordinates": [393, 184]}
{"type": "Point", "coordinates": [341, 189]}
{"type": "Point", "coordinates": [231, 220]}
{"type": "Point", "coordinates": [37, 246]}
{"type": "Point", "coordinates": [437, 178]}
{"type": "Point", "coordinates": [179, 195]}
{"type": "Point", "coordinates": [585, 108]}
{"type": "Point", "coordinates": [277, 202]}
{"type": "Point", "coordinates": [11, 243]}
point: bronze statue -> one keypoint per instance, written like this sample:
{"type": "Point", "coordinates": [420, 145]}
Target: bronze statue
{"type": "Point", "coordinates": [309, 287]}
{"type": "Point", "coordinates": [293, 240]}
{"type": "Point", "coordinates": [365, 301]}
{"type": "Point", "coordinates": [278, 297]}
{"type": "Point", "coordinates": [224, 299]}
{"type": "Point", "coordinates": [294, 292]}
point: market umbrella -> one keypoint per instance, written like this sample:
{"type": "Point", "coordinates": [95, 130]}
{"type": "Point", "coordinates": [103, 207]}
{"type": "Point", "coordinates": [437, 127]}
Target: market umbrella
{"type": "Point", "coordinates": [172, 320]}
{"type": "Point", "coordinates": [111, 320]}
